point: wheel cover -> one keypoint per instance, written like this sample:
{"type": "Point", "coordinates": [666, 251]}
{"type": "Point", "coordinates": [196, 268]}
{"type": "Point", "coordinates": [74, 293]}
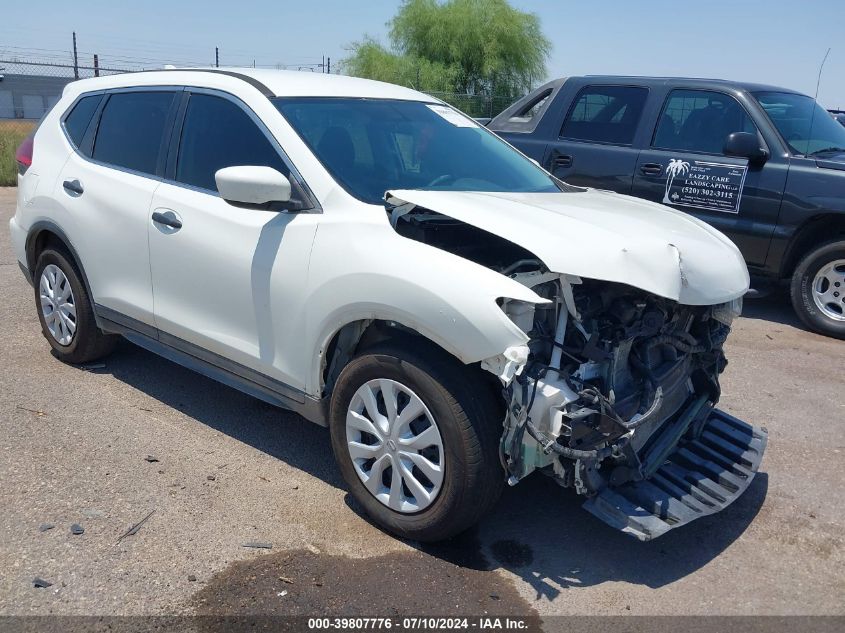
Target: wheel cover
{"type": "Point", "coordinates": [395, 445]}
{"type": "Point", "coordinates": [829, 290]}
{"type": "Point", "coordinates": [57, 304]}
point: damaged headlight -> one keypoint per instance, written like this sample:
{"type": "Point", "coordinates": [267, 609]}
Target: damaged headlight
{"type": "Point", "coordinates": [727, 312]}
{"type": "Point", "coordinates": [521, 313]}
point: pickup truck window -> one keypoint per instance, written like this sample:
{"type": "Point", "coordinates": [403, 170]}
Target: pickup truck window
{"type": "Point", "coordinates": [530, 110]}
{"type": "Point", "coordinates": [803, 123]}
{"type": "Point", "coordinates": [370, 146]}
{"type": "Point", "coordinates": [700, 121]}
{"type": "Point", "coordinates": [605, 114]}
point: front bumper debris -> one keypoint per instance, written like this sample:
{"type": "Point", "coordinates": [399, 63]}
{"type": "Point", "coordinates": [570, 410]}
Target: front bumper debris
{"type": "Point", "coordinates": [698, 478]}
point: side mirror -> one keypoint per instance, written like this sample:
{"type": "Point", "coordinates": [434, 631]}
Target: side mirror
{"type": "Point", "coordinates": [745, 145]}
{"type": "Point", "coordinates": [248, 184]}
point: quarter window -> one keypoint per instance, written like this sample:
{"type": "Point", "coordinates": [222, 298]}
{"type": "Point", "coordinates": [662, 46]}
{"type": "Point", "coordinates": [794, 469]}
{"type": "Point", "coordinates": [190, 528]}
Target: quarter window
{"type": "Point", "coordinates": [77, 121]}
{"type": "Point", "coordinates": [605, 114]}
{"type": "Point", "coordinates": [131, 128]}
{"type": "Point", "coordinates": [217, 133]}
{"type": "Point", "coordinates": [700, 121]}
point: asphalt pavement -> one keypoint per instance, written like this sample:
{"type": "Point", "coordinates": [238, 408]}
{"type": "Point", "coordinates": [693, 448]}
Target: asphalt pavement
{"type": "Point", "coordinates": [106, 445]}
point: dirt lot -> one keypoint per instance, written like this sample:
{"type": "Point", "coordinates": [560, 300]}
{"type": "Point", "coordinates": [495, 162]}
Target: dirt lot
{"type": "Point", "coordinates": [231, 470]}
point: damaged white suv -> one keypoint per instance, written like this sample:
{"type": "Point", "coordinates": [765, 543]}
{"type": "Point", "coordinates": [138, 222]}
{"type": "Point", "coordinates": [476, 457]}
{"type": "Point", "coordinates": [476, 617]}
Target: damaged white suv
{"type": "Point", "coordinates": [374, 260]}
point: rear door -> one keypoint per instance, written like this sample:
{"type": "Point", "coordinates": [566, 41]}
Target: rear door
{"type": "Point", "coordinates": [684, 167]}
{"type": "Point", "coordinates": [106, 187]}
{"type": "Point", "coordinates": [595, 145]}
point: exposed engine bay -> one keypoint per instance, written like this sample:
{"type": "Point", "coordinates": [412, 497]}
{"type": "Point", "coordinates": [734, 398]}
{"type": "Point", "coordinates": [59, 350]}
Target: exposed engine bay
{"type": "Point", "coordinates": [617, 390]}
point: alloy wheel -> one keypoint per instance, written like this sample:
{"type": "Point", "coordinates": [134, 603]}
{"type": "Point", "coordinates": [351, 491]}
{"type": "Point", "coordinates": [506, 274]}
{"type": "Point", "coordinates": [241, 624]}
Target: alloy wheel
{"type": "Point", "coordinates": [829, 290]}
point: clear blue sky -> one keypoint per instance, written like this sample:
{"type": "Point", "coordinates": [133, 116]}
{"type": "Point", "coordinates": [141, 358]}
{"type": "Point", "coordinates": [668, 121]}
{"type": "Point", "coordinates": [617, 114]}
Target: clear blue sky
{"type": "Point", "coordinates": [776, 41]}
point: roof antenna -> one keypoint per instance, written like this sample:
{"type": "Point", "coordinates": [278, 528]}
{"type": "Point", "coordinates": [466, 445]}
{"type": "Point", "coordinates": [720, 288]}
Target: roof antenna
{"type": "Point", "coordinates": [815, 104]}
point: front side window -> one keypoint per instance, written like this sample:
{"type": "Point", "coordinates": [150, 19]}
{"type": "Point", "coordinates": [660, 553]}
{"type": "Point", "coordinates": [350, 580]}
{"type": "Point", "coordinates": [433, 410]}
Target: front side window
{"type": "Point", "coordinates": [77, 121]}
{"type": "Point", "coordinates": [217, 133]}
{"type": "Point", "coordinates": [700, 121]}
{"type": "Point", "coordinates": [131, 129]}
{"type": "Point", "coordinates": [371, 146]}
{"type": "Point", "coordinates": [605, 114]}
{"type": "Point", "coordinates": [805, 126]}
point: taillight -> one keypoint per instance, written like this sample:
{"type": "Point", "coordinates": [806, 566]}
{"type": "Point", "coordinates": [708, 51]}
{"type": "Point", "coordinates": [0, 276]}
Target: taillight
{"type": "Point", "coordinates": [23, 155]}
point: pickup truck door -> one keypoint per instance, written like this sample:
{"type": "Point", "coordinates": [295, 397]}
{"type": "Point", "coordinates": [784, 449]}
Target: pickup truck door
{"type": "Point", "coordinates": [594, 146]}
{"type": "Point", "coordinates": [226, 278]}
{"type": "Point", "coordinates": [683, 166]}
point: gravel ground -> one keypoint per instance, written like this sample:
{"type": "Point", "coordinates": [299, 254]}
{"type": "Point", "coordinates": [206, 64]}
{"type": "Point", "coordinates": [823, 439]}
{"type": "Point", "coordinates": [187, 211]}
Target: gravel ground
{"type": "Point", "coordinates": [231, 470]}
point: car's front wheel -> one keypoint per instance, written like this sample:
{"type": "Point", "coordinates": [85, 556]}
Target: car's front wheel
{"type": "Point", "coordinates": [818, 289]}
{"type": "Point", "coordinates": [65, 310]}
{"type": "Point", "coordinates": [416, 437]}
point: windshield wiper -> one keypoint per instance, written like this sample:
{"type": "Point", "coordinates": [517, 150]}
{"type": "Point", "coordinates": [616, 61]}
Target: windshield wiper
{"type": "Point", "coordinates": [826, 150]}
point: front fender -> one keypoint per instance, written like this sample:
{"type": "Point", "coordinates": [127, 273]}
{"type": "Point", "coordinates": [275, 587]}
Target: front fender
{"type": "Point", "coordinates": [369, 272]}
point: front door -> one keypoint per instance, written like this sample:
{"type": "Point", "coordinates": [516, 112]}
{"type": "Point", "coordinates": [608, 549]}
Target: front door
{"type": "Point", "coordinates": [594, 145]}
{"type": "Point", "coordinates": [684, 167]}
{"type": "Point", "coordinates": [226, 277]}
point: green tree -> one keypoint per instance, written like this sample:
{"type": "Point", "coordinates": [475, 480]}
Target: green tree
{"type": "Point", "coordinates": [477, 47]}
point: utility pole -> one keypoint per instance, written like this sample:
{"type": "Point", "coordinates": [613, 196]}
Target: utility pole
{"type": "Point", "coordinates": [329, 66]}
{"type": "Point", "coordinates": [323, 65]}
{"type": "Point", "coordinates": [96, 65]}
{"type": "Point", "coordinates": [75, 59]}
{"type": "Point", "coordinates": [216, 57]}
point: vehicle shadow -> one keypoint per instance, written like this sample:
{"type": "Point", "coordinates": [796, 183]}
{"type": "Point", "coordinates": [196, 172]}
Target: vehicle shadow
{"type": "Point", "coordinates": [538, 531]}
{"type": "Point", "coordinates": [276, 432]}
{"type": "Point", "coordinates": [775, 308]}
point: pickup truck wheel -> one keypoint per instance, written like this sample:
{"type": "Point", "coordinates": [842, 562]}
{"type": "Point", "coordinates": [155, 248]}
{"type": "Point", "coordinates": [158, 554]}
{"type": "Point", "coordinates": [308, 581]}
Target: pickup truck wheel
{"type": "Point", "coordinates": [818, 289]}
{"type": "Point", "coordinates": [65, 311]}
{"type": "Point", "coordinates": [416, 437]}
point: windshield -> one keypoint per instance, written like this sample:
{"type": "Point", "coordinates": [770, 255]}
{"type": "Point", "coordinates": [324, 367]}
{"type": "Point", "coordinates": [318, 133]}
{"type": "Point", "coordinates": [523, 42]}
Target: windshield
{"type": "Point", "coordinates": [371, 146]}
{"type": "Point", "coordinates": [794, 115]}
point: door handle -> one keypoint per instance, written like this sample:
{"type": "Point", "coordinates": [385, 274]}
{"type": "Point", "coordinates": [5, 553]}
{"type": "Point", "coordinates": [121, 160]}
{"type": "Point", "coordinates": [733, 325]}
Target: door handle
{"type": "Point", "coordinates": [73, 186]}
{"type": "Point", "coordinates": [651, 169]}
{"type": "Point", "coordinates": [561, 160]}
{"type": "Point", "coordinates": [167, 220]}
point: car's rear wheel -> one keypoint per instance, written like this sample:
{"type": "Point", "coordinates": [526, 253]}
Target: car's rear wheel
{"type": "Point", "coordinates": [415, 435]}
{"type": "Point", "coordinates": [65, 310]}
{"type": "Point", "coordinates": [818, 289]}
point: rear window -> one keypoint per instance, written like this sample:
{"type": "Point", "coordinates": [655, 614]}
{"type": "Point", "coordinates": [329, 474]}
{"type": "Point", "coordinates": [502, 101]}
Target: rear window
{"type": "Point", "coordinates": [77, 121]}
{"type": "Point", "coordinates": [131, 129]}
{"type": "Point", "coordinates": [605, 114]}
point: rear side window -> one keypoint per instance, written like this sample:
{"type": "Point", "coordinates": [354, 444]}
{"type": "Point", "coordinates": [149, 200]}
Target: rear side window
{"type": "Point", "coordinates": [131, 129]}
{"type": "Point", "coordinates": [700, 121]}
{"type": "Point", "coordinates": [217, 133]}
{"type": "Point", "coordinates": [605, 114]}
{"type": "Point", "coordinates": [77, 121]}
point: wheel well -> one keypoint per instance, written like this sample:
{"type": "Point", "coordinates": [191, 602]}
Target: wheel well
{"type": "Point", "coordinates": [43, 239]}
{"type": "Point", "coordinates": [357, 336]}
{"type": "Point", "coordinates": [816, 231]}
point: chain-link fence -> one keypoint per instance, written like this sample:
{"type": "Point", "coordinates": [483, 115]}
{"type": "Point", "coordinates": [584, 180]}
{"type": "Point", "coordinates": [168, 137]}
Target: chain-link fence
{"type": "Point", "coordinates": [28, 89]}
{"type": "Point", "coordinates": [478, 106]}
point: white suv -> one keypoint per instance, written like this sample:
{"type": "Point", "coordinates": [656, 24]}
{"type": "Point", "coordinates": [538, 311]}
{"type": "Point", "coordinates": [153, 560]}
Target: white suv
{"type": "Point", "coordinates": [373, 259]}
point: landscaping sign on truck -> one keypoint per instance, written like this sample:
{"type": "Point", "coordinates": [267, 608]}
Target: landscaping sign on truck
{"type": "Point", "coordinates": [704, 185]}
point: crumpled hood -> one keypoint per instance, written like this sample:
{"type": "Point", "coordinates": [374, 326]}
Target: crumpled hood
{"type": "Point", "coordinates": [603, 235]}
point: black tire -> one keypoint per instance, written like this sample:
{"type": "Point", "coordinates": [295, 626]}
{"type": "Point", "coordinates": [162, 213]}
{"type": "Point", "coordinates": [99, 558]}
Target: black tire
{"type": "Point", "coordinates": [801, 289]}
{"type": "Point", "coordinates": [89, 342]}
{"type": "Point", "coordinates": [470, 424]}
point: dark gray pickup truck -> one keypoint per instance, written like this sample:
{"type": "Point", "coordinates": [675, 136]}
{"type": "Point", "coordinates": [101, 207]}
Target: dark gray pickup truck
{"type": "Point", "coordinates": [764, 165]}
